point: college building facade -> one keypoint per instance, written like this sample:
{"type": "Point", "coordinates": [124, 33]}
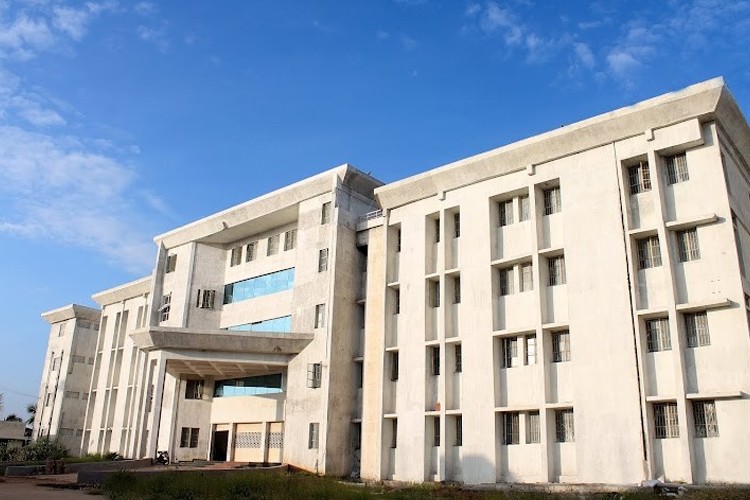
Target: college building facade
{"type": "Point", "coordinates": [572, 307]}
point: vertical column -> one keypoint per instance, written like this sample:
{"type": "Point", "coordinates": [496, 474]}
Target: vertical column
{"type": "Point", "coordinates": [158, 392]}
{"type": "Point", "coordinates": [230, 442]}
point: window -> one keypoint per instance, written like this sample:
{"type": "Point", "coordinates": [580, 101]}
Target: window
{"type": "Point", "coordinates": [435, 431]}
{"type": "Point", "coordinates": [436, 223]}
{"type": "Point", "coordinates": [249, 386]}
{"type": "Point", "coordinates": [532, 427]}
{"type": "Point", "coordinates": [252, 251]}
{"type": "Point", "coordinates": [273, 244]}
{"type": "Point", "coordinates": [398, 240]}
{"type": "Point", "coordinates": [235, 256]}
{"type": "Point", "coordinates": [524, 212]}
{"type": "Point", "coordinates": [435, 355]}
{"type": "Point", "coordinates": [526, 283]}
{"type": "Point", "coordinates": [314, 375]}
{"type": "Point", "coordinates": [166, 305]}
{"type": "Point", "coordinates": [704, 417]}
{"type": "Point", "coordinates": [282, 324]}
{"type": "Point", "coordinates": [259, 286]}
{"type": "Point", "coordinates": [505, 213]}
{"type": "Point", "coordinates": [552, 201]}
{"type": "Point", "coordinates": [434, 293]}
{"type": "Point", "coordinates": [557, 275]}
{"type": "Point", "coordinates": [171, 263]}
{"type": "Point", "coordinates": [459, 430]}
{"type": "Point", "coordinates": [322, 260]}
{"type": "Point", "coordinates": [397, 301]}
{"type": "Point", "coordinates": [193, 389]}
{"type": "Point", "coordinates": [205, 299]}
{"type": "Point", "coordinates": [657, 335]}
{"type": "Point", "coordinates": [666, 424]}
{"type": "Point", "coordinates": [649, 252]}
{"type": "Point", "coordinates": [325, 213]}
{"type": "Point", "coordinates": [696, 328]}
{"type": "Point", "coordinates": [189, 437]}
{"type": "Point", "coordinates": [560, 346]}
{"type": "Point", "coordinates": [509, 351]}
{"type": "Point", "coordinates": [564, 427]}
{"type": "Point", "coordinates": [290, 240]}
{"type": "Point", "coordinates": [510, 428]}
{"type": "Point", "coordinates": [457, 290]}
{"type": "Point", "coordinates": [677, 169]}
{"type": "Point", "coordinates": [506, 281]}
{"type": "Point", "coordinates": [394, 433]}
{"type": "Point", "coordinates": [47, 399]}
{"type": "Point", "coordinates": [313, 436]}
{"type": "Point", "coordinates": [457, 357]}
{"type": "Point", "coordinates": [457, 225]}
{"type": "Point", "coordinates": [530, 353]}
{"type": "Point", "coordinates": [320, 316]}
{"type": "Point", "coordinates": [394, 365]}
{"type": "Point", "coordinates": [687, 245]}
{"type": "Point", "coordinates": [639, 177]}
{"type": "Point", "coordinates": [61, 329]}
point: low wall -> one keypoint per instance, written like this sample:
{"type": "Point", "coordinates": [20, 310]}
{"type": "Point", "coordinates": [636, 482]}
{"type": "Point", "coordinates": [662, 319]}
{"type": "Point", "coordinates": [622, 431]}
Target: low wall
{"type": "Point", "coordinates": [99, 476]}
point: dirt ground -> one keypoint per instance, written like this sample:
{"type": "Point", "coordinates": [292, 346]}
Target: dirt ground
{"type": "Point", "coordinates": [28, 488]}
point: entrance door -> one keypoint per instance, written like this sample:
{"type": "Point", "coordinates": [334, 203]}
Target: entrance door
{"type": "Point", "coordinates": [275, 442]}
{"type": "Point", "coordinates": [219, 446]}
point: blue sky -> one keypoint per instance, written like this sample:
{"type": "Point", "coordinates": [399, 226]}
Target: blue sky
{"type": "Point", "coordinates": [120, 120]}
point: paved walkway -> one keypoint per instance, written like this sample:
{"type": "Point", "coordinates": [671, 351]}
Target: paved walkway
{"type": "Point", "coordinates": [29, 488]}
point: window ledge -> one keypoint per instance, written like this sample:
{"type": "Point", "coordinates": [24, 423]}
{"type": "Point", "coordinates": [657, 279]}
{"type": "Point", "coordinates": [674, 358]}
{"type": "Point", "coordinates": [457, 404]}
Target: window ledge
{"type": "Point", "coordinates": [704, 305]}
{"type": "Point", "coordinates": [678, 225]}
{"type": "Point", "coordinates": [509, 261]}
{"type": "Point", "coordinates": [655, 312]}
{"type": "Point", "coordinates": [560, 325]}
{"type": "Point", "coordinates": [714, 395]}
{"type": "Point", "coordinates": [513, 332]}
{"type": "Point", "coordinates": [517, 408]}
{"type": "Point", "coordinates": [660, 399]}
{"type": "Point", "coordinates": [551, 251]}
{"type": "Point", "coordinates": [559, 405]}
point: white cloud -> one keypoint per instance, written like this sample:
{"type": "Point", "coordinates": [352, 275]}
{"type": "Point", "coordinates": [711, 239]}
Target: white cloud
{"type": "Point", "coordinates": [155, 36]}
{"type": "Point", "coordinates": [622, 64]}
{"type": "Point", "coordinates": [583, 54]}
{"type": "Point", "coordinates": [24, 36]}
{"type": "Point", "coordinates": [145, 9]}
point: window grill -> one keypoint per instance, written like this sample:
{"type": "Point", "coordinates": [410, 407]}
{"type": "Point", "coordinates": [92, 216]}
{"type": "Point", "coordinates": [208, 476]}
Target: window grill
{"type": "Point", "coordinates": [524, 211]}
{"type": "Point", "coordinates": [457, 225]}
{"type": "Point", "coordinates": [557, 275]}
{"type": "Point", "coordinates": [639, 177]}
{"type": "Point", "coordinates": [457, 290]}
{"type": "Point", "coordinates": [313, 436]}
{"type": "Point", "coordinates": [552, 201]}
{"type": "Point", "coordinates": [323, 260]}
{"type": "Point", "coordinates": [506, 281]}
{"type": "Point", "coordinates": [704, 416]}
{"type": "Point", "coordinates": [530, 355]}
{"type": "Point", "coordinates": [457, 355]}
{"type": "Point", "coordinates": [505, 213]}
{"type": "Point", "coordinates": [511, 428]}
{"type": "Point", "coordinates": [696, 327]}
{"type": "Point", "coordinates": [273, 244]}
{"type": "Point", "coordinates": [510, 351]}
{"type": "Point", "coordinates": [394, 366]}
{"type": "Point", "coordinates": [564, 426]}
{"type": "Point", "coordinates": [677, 169]}
{"type": "Point", "coordinates": [290, 240]}
{"type": "Point", "coordinates": [527, 281]}
{"type": "Point", "coordinates": [235, 256]}
{"type": "Point", "coordinates": [435, 431]}
{"type": "Point", "coordinates": [649, 252]}
{"type": "Point", "coordinates": [666, 423]}
{"type": "Point", "coordinates": [533, 435]}
{"type": "Point", "coordinates": [459, 430]}
{"type": "Point", "coordinates": [252, 251]}
{"type": "Point", "coordinates": [687, 245]}
{"type": "Point", "coordinates": [560, 346]}
{"type": "Point", "coordinates": [657, 335]}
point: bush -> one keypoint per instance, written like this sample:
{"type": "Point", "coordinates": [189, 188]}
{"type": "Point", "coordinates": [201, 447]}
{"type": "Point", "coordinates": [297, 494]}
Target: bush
{"type": "Point", "coordinates": [38, 451]}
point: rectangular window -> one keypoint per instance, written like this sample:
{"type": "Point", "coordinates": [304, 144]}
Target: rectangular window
{"type": "Point", "coordinates": [435, 431]}
{"type": "Point", "coordinates": [564, 426]}
{"type": "Point", "coordinates": [259, 286]}
{"type": "Point", "coordinates": [532, 427]}
{"type": "Point", "coordinates": [323, 260]}
{"type": "Point", "coordinates": [398, 240]}
{"type": "Point", "coordinates": [194, 437]}
{"type": "Point", "coordinates": [235, 256]}
{"type": "Point", "coordinates": [320, 316]}
{"type": "Point", "coordinates": [557, 275]}
{"type": "Point", "coordinates": [704, 417]}
{"type": "Point", "coordinates": [677, 169]}
{"type": "Point", "coordinates": [526, 283]}
{"type": "Point", "coordinates": [457, 290]}
{"type": "Point", "coordinates": [666, 424]}
{"type": "Point", "coordinates": [394, 433]}
{"type": "Point", "coordinates": [505, 213]}
{"type": "Point", "coordinates": [524, 211]}
{"type": "Point", "coordinates": [436, 223]}
{"type": "Point", "coordinates": [394, 365]}
{"type": "Point", "coordinates": [189, 437]}
{"type": "Point", "coordinates": [314, 375]}
{"type": "Point", "coordinates": [457, 225]}
{"type": "Point", "coordinates": [171, 263]}
{"type": "Point", "coordinates": [290, 240]}
{"type": "Point", "coordinates": [657, 335]}
{"type": "Point", "coordinates": [530, 354]}
{"type": "Point", "coordinates": [435, 358]}
{"type": "Point", "coordinates": [552, 201]}
{"type": "Point", "coordinates": [459, 430]}
{"type": "Point", "coordinates": [251, 251]}
{"type": "Point", "coordinates": [193, 389]}
{"type": "Point", "coordinates": [434, 293]}
{"type": "Point", "coordinates": [166, 306]}
{"type": "Point", "coordinates": [696, 328]}
{"type": "Point", "coordinates": [205, 299]}
{"type": "Point", "coordinates": [457, 353]}
{"type": "Point", "coordinates": [639, 177]}
{"type": "Point", "coordinates": [325, 213]}
{"type": "Point", "coordinates": [396, 301]}
{"type": "Point", "coordinates": [282, 324]}
{"type": "Point", "coordinates": [273, 244]}
{"type": "Point", "coordinates": [313, 436]}
{"type": "Point", "coordinates": [511, 428]}
{"type": "Point", "coordinates": [61, 329]}
{"type": "Point", "coordinates": [687, 245]}
{"type": "Point", "coordinates": [510, 351]}
{"type": "Point", "coordinates": [649, 252]}
{"type": "Point", "coordinates": [249, 386]}
{"type": "Point", "coordinates": [506, 281]}
{"type": "Point", "coordinates": [560, 346]}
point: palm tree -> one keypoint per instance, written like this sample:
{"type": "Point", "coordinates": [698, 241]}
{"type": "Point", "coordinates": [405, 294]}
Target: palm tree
{"type": "Point", "coordinates": [31, 410]}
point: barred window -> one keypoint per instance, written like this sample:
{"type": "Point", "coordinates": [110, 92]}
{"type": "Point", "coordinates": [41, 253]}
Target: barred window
{"type": "Point", "coordinates": [530, 354]}
{"type": "Point", "coordinates": [436, 223]}
{"type": "Point", "coordinates": [564, 426]}
{"type": "Point", "coordinates": [505, 213]}
{"type": "Point", "coordinates": [435, 355]}
{"type": "Point", "coordinates": [166, 306]}
{"type": "Point", "coordinates": [457, 225]}
{"type": "Point", "coordinates": [171, 263]}
{"type": "Point", "coordinates": [189, 437]}
{"type": "Point", "coordinates": [639, 177]}
{"type": "Point", "coordinates": [533, 435]}
{"type": "Point", "coordinates": [552, 201]}
{"type": "Point", "coordinates": [252, 251]}
{"type": "Point", "coordinates": [193, 389]}
{"type": "Point", "coordinates": [290, 240]}
{"type": "Point", "coordinates": [649, 252]}
{"type": "Point", "coordinates": [313, 436]}
{"type": "Point", "coordinates": [394, 365]}
{"type": "Point", "coordinates": [323, 260]}
{"type": "Point", "coordinates": [273, 244]}
{"type": "Point", "coordinates": [657, 335]}
{"type": "Point", "coordinates": [314, 375]}
{"type": "Point", "coordinates": [459, 430]}
{"type": "Point", "coordinates": [320, 316]}
{"type": "Point", "coordinates": [434, 293]}
{"type": "Point", "coordinates": [397, 301]}
{"type": "Point", "coordinates": [457, 290]}
{"type": "Point", "coordinates": [205, 299]}
{"type": "Point", "coordinates": [666, 423]}
{"type": "Point", "coordinates": [506, 281]}
{"type": "Point", "coordinates": [704, 417]}
{"type": "Point", "coordinates": [235, 256]}
{"type": "Point", "coordinates": [557, 271]}
{"type": "Point", "coordinates": [687, 245]}
{"type": "Point", "coordinates": [677, 169]}
{"type": "Point", "coordinates": [394, 433]}
{"type": "Point", "coordinates": [524, 211]}
{"type": "Point", "coordinates": [510, 351]}
{"type": "Point", "coordinates": [435, 431]}
{"type": "Point", "coordinates": [527, 279]}
{"type": "Point", "coordinates": [325, 213]}
{"type": "Point", "coordinates": [457, 354]}
{"type": "Point", "coordinates": [511, 428]}
{"type": "Point", "coordinates": [560, 346]}
{"type": "Point", "coordinates": [696, 328]}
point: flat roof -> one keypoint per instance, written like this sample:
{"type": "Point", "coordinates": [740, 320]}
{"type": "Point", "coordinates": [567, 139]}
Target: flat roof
{"type": "Point", "coordinates": [123, 292]}
{"type": "Point", "coordinates": [71, 311]}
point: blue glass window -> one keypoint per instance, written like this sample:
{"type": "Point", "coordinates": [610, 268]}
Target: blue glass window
{"type": "Point", "coordinates": [259, 286]}
{"type": "Point", "coordinates": [248, 386]}
{"type": "Point", "coordinates": [280, 325]}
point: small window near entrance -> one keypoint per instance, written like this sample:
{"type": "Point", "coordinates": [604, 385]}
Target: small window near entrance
{"type": "Point", "coordinates": [189, 437]}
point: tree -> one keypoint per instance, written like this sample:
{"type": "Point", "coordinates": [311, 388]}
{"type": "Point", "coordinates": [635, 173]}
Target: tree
{"type": "Point", "coordinates": [31, 410]}
{"type": "Point", "coordinates": [13, 418]}
{"type": "Point", "coordinates": [1, 401]}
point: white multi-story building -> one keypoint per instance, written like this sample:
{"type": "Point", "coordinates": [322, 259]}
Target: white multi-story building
{"type": "Point", "coordinates": [569, 308]}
